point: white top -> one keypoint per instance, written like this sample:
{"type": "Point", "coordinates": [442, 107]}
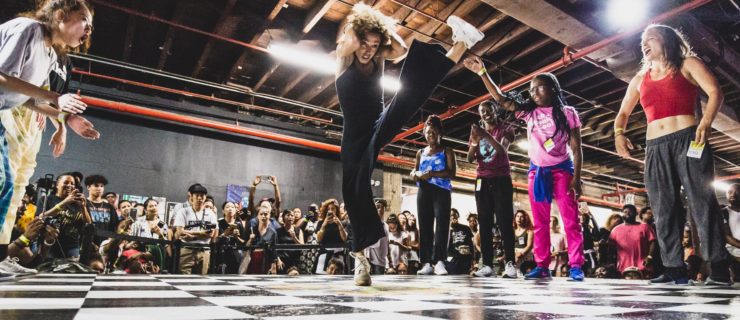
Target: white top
{"type": "Point", "coordinates": [733, 220]}
{"type": "Point", "coordinates": [557, 244]}
{"type": "Point", "coordinates": [397, 253]}
{"type": "Point", "coordinates": [24, 55]}
{"type": "Point", "coordinates": [378, 252]}
{"type": "Point", "coordinates": [205, 219]}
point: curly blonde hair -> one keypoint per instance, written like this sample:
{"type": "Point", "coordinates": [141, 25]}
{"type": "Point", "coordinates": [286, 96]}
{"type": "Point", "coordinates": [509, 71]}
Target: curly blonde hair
{"type": "Point", "coordinates": [325, 207]}
{"type": "Point", "coordinates": [364, 19]}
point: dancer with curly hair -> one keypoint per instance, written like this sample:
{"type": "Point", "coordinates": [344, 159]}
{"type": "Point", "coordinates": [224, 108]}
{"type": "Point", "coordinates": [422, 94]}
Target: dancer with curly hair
{"type": "Point", "coordinates": [369, 40]}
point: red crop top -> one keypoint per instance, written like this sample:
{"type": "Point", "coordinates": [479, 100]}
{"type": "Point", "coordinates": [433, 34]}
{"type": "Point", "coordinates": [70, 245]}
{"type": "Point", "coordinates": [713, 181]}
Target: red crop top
{"type": "Point", "coordinates": [671, 96]}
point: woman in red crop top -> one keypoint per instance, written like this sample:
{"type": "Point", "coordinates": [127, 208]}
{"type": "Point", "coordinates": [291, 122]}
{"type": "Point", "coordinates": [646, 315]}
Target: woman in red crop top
{"type": "Point", "coordinates": [667, 87]}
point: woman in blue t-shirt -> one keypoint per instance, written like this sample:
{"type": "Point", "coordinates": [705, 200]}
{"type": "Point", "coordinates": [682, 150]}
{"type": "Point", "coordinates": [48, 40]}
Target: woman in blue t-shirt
{"type": "Point", "coordinates": [434, 169]}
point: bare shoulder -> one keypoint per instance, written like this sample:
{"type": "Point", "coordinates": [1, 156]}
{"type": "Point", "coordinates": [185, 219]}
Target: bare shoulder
{"type": "Point", "coordinates": [343, 63]}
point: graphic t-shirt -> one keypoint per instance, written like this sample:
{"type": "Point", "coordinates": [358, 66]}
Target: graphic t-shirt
{"type": "Point", "coordinates": [491, 164]}
{"type": "Point", "coordinates": [540, 128]}
{"type": "Point", "coordinates": [104, 217]}
{"type": "Point", "coordinates": [69, 221]}
{"type": "Point", "coordinates": [203, 220]}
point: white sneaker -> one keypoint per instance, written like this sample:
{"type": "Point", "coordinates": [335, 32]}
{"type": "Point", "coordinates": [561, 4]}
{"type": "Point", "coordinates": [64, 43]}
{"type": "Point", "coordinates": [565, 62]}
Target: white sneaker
{"type": "Point", "coordinates": [463, 31]}
{"type": "Point", "coordinates": [362, 270]}
{"type": "Point", "coordinates": [439, 268]}
{"type": "Point", "coordinates": [425, 270]}
{"type": "Point", "coordinates": [11, 265]}
{"type": "Point", "coordinates": [509, 271]}
{"type": "Point", "coordinates": [486, 271]}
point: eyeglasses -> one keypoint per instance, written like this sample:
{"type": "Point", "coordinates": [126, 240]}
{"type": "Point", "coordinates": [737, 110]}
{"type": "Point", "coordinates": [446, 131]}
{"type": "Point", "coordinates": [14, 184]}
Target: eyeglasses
{"type": "Point", "coordinates": [534, 89]}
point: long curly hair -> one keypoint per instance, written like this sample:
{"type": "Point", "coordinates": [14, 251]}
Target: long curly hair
{"type": "Point", "coordinates": [45, 11]}
{"type": "Point", "coordinates": [364, 19]}
{"type": "Point", "coordinates": [325, 207]}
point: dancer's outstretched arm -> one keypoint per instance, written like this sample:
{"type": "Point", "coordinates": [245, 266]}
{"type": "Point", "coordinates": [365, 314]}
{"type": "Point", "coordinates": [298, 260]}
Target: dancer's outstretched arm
{"type": "Point", "coordinates": [476, 65]}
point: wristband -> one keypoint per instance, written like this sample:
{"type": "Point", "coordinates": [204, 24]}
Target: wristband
{"type": "Point", "coordinates": [482, 71]}
{"type": "Point", "coordinates": [618, 131]}
{"type": "Point", "coordinates": [25, 240]}
{"type": "Point", "coordinates": [57, 207]}
{"type": "Point", "coordinates": [48, 244]}
{"type": "Point", "coordinates": [62, 117]}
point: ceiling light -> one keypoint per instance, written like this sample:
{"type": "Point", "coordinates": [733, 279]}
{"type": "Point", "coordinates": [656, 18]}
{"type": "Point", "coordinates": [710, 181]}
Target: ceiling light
{"type": "Point", "coordinates": [298, 56]}
{"type": "Point", "coordinates": [626, 13]}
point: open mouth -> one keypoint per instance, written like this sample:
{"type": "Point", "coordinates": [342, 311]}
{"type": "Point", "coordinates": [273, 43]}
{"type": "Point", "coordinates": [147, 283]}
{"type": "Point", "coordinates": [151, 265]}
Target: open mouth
{"type": "Point", "coordinates": [83, 39]}
{"type": "Point", "coordinates": [646, 51]}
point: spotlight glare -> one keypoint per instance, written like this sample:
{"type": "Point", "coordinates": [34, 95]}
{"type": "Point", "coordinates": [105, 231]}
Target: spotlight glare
{"type": "Point", "coordinates": [523, 144]}
{"type": "Point", "coordinates": [626, 13]}
{"type": "Point", "coordinates": [721, 185]}
{"type": "Point", "coordinates": [292, 54]}
{"type": "Point", "coordinates": [390, 84]}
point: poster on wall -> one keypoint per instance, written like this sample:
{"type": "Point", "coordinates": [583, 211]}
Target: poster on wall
{"type": "Point", "coordinates": [134, 199]}
{"type": "Point", "coordinates": [170, 210]}
{"type": "Point", "coordinates": [237, 194]}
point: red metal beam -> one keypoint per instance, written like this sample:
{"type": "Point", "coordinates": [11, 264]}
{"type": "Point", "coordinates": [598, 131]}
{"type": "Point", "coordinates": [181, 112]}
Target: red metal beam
{"type": "Point", "coordinates": [566, 60]}
{"type": "Point", "coordinates": [190, 120]}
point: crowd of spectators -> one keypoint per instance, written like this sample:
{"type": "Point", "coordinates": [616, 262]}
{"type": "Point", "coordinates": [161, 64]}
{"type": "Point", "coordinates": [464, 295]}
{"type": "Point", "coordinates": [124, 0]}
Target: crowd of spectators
{"type": "Point", "coordinates": [99, 232]}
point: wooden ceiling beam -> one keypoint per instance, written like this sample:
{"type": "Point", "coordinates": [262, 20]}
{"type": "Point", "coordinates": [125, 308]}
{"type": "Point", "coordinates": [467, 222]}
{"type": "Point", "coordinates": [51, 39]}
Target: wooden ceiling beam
{"type": "Point", "coordinates": [315, 14]}
{"type": "Point", "coordinates": [221, 27]}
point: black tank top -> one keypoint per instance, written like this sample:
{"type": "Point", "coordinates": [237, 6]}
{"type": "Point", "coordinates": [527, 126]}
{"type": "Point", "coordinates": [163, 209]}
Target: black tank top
{"type": "Point", "coordinates": [521, 240]}
{"type": "Point", "coordinates": [360, 96]}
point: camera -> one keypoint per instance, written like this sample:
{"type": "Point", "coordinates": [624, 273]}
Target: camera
{"type": "Point", "coordinates": [47, 182]}
{"type": "Point", "coordinates": [160, 224]}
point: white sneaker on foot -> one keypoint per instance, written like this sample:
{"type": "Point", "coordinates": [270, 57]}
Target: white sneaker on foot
{"type": "Point", "coordinates": [11, 265]}
{"type": "Point", "coordinates": [425, 270]}
{"type": "Point", "coordinates": [464, 32]}
{"type": "Point", "coordinates": [439, 268]}
{"type": "Point", "coordinates": [362, 270]}
{"type": "Point", "coordinates": [509, 271]}
{"type": "Point", "coordinates": [485, 271]}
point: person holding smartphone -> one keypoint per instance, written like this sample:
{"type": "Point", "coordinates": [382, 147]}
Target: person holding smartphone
{"type": "Point", "coordinates": [68, 214]}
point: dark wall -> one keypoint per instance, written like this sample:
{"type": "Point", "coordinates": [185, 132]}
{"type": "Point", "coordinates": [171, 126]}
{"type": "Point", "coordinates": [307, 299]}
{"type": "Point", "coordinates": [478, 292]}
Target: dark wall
{"type": "Point", "coordinates": [150, 158]}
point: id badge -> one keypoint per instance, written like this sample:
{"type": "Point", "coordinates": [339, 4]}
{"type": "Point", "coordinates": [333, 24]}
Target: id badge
{"type": "Point", "coordinates": [521, 241]}
{"type": "Point", "coordinates": [549, 145]}
{"type": "Point", "coordinates": [695, 150]}
{"type": "Point", "coordinates": [478, 184]}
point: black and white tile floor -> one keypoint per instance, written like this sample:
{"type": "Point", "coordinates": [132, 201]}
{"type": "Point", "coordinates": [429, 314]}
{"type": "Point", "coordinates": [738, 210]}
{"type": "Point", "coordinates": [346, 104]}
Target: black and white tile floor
{"type": "Point", "coordinates": [181, 297]}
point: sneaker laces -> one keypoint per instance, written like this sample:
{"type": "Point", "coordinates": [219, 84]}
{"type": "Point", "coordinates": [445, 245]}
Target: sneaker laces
{"type": "Point", "coordinates": [364, 263]}
{"type": "Point", "coordinates": [14, 262]}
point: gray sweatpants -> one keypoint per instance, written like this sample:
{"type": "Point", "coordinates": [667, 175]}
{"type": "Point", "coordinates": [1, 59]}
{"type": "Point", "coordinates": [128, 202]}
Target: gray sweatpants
{"type": "Point", "coordinates": [667, 168]}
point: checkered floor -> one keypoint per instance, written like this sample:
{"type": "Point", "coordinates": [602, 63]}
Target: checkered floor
{"type": "Point", "coordinates": [179, 297]}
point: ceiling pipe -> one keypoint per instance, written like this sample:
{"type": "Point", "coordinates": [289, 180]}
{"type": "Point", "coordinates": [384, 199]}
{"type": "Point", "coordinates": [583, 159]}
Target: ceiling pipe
{"type": "Point", "coordinates": [195, 121]}
{"type": "Point", "coordinates": [218, 86]}
{"type": "Point", "coordinates": [566, 60]}
{"type": "Point", "coordinates": [203, 97]}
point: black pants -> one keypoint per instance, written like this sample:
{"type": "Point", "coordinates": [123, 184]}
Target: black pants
{"type": "Point", "coordinates": [667, 168]}
{"type": "Point", "coordinates": [495, 198]}
{"type": "Point", "coordinates": [424, 68]}
{"type": "Point", "coordinates": [433, 204]}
